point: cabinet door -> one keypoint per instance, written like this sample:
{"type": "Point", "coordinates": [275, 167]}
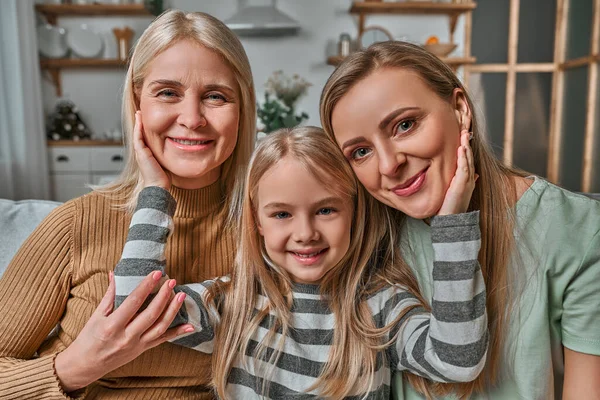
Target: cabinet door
{"type": "Point", "coordinates": [69, 159]}
{"type": "Point", "coordinates": [68, 186]}
{"type": "Point", "coordinates": [107, 159]}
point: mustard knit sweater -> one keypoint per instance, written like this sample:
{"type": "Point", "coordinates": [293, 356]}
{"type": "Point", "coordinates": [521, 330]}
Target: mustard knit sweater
{"type": "Point", "coordinates": [60, 274]}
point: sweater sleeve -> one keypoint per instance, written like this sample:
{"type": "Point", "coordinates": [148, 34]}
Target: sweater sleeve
{"type": "Point", "coordinates": [33, 295]}
{"type": "Point", "coordinates": [450, 343]}
{"type": "Point", "coordinates": [144, 252]}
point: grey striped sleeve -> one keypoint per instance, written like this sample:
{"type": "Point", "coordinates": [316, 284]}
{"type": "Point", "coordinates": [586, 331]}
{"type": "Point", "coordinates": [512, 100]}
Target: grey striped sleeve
{"type": "Point", "coordinates": [450, 344]}
{"type": "Point", "coordinates": [144, 252]}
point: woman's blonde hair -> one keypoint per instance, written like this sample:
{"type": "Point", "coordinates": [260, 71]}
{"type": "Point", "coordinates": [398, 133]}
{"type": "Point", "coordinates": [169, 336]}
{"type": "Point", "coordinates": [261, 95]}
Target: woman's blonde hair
{"type": "Point", "coordinates": [169, 28]}
{"type": "Point", "coordinates": [494, 194]}
{"type": "Point", "coordinates": [368, 265]}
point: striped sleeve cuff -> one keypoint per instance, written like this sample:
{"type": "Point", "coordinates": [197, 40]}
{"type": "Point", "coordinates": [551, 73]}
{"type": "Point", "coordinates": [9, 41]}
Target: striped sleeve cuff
{"type": "Point", "coordinates": [156, 198]}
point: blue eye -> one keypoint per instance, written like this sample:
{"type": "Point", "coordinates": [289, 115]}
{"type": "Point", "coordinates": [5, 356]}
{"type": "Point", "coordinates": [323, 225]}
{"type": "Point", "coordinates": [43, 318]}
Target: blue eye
{"type": "Point", "coordinates": [216, 97]}
{"type": "Point", "coordinates": [405, 126]}
{"type": "Point", "coordinates": [167, 93]}
{"type": "Point", "coordinates": [326, 211]}
{"type": "Point", "coordinates": [359, 153]}
{"type": "Point", "coordinates": [281, 215]}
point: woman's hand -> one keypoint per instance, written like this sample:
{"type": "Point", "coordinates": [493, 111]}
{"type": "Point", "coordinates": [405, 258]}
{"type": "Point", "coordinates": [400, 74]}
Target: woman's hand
{"type": "Point", "coordinates": [111, 339]}
{"type": "Point", "coordinates": [152, 172]}
{"type": "Point", "coordinates": [461, 188]}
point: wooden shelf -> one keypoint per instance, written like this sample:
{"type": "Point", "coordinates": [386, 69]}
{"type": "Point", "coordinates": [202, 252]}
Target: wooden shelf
{"type": "Point", "coordinates": [410, 7]}
{"type": "Point", "coordinates": [47, 63]}
{"type": "Point", "coordinates": [52, 11]}
{"type": "Point", "coordinates": [452, 61]}
{"type": "Point", "coordinates": [55, 65]}
{"type": "Point", "coordinates": [83, 142]}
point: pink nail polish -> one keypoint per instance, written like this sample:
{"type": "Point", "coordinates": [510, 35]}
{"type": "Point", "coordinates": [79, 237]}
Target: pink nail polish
{"type": "Point", "coordinates": [181, 297]}
{"type": "Point", "coordinates": [189, 330]}
{"type": "Point", "coordinates": [172, 283]}
{"type": "Point", "coordinates": [156, 275]}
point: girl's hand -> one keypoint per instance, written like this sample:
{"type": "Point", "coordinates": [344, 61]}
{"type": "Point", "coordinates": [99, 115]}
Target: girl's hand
{"type": "Point", "coordinates": [111, 339]}
{"type": "Point", "coordinates": [461, 188]}
{"type": "Point", "coordinates": [152, 172]}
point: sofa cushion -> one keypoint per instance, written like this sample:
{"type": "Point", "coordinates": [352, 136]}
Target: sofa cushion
{"type": "Point", "coordinates": [17, 220]}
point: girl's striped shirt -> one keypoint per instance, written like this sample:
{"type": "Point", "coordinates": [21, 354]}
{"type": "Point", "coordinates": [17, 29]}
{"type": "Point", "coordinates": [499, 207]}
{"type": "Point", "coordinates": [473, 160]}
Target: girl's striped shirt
{"type": "Point", "coordinates": [447, 345]}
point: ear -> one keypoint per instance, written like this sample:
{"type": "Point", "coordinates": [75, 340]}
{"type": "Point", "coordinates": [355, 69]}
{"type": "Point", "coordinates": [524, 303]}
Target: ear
{"type": "Point", "coordinates": [461, 109]}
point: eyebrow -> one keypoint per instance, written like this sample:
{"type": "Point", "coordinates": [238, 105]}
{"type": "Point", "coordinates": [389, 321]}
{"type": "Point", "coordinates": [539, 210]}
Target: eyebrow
{"type": "Point", "coordinates": [170, 82]}
{"type": "Point", "coordinates": [320, 203]}
{"type": "Point", "coordinates": [382, 125]}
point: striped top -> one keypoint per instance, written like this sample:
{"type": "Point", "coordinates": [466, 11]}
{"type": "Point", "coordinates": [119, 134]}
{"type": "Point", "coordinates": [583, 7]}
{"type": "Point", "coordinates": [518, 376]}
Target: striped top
{"type": "Point", "coordinates": [447, 345]}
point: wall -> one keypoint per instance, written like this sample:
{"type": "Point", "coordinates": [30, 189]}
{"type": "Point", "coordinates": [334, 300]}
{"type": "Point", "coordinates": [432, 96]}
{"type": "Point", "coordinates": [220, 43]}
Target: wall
{"type": "Point", "coordinates": [97, 92]}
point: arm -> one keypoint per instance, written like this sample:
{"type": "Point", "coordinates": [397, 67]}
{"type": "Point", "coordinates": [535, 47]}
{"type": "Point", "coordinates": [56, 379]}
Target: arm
{"type": "Point", "coordinates": [144, 253]}
{"type": "Point", "coordinates": [450, 344]}
{"type": "Point", "coordinates": [33, 295]}
{"type": "Point", "coordinates": [581, 376]}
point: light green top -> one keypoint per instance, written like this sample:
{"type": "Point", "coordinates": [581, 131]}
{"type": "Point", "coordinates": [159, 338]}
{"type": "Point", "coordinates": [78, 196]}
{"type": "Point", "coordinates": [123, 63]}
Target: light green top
{"type": "Point", "coordinates": [557, 272]}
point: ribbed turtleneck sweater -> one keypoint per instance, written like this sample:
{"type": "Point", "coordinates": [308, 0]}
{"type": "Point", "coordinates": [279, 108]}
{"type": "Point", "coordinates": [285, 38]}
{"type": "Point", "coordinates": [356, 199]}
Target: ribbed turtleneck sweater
{"type": "Point", "coordinates": [60, 274]}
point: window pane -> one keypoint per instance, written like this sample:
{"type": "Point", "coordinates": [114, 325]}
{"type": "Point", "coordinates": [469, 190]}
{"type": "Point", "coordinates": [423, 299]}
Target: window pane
{"type": "Point", "coordinates": [579, 28]}
{"type": "Point", "coordinates": [488, 91]}
{"type": "Point", "coordinates": [537, 21]}
{"type": "Point", "coordinates": [532, 121]}
{"type": "Point", "coordinates": [573, 127]}
{"type": "Point", "coordinates": [488, 17]}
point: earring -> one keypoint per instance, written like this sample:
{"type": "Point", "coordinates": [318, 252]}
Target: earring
{"type": "Point", "coordinates": [470, 135]}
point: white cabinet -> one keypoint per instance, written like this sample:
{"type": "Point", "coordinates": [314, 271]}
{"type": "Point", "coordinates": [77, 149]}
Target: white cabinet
{"type": "Point", "coordinates": [74, 168]}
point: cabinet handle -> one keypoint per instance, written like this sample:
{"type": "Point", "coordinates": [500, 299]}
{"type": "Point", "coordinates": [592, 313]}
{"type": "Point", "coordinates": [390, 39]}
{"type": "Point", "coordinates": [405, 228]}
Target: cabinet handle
{"type": "Point", "coordinates": [117, 158]}
{"type": "Point", "coordinates": [62, 159]}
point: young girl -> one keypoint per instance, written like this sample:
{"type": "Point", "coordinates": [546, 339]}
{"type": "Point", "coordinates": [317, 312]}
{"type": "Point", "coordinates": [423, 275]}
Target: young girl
{"type": "Point", "coordinates": [316, 304]}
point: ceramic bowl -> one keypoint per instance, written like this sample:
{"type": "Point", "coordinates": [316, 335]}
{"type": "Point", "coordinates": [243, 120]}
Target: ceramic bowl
{"type": "Point", "coordinates": [51, 41]}
{"type": "Point", "coordinates": [440, 49]}
{"type": "Point", "coordinates": [84, 42]}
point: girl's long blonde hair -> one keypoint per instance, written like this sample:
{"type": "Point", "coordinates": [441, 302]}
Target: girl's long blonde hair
{"type": "Point", "coordinates": [169, 28]}
{"type": "Point", "coordinates": [369, 264]}
{"type": "Point", "coordinates": [494, 194]}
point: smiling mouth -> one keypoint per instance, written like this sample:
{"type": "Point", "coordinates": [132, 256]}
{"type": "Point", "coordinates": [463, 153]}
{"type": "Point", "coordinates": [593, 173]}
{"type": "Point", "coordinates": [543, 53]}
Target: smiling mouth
{"type": "Point", "coordinates": [412, 185]}
{"type": "Point", "coordinates": [190, 142]}
{"type": "Point", "coordinates": [308, 255]}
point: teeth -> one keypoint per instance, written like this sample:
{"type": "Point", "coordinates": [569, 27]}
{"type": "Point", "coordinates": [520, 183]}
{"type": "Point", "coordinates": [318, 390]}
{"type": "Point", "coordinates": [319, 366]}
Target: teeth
{"type": "Point", "coordinates": [308, 255]}
{"type": "Point", "coordinates": [190, 142]}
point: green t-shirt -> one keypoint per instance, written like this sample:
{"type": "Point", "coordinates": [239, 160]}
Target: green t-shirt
{"type": "Point", "coordinates": [556, 272]}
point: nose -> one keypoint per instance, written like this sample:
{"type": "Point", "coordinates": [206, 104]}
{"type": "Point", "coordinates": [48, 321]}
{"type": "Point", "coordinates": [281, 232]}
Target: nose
{"type": "Point", "coordinates": [390, 160]}
{"type": "Point", "coordinates": [305, 230]}
{"type": "Point", "coordinates": [191, 114]}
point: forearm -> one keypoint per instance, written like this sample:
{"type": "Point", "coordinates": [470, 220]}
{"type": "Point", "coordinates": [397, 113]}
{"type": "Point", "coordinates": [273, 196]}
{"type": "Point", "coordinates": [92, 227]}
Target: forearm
{"type": "Point", "coordinates": [451, 342]}
{"type": "Point", "coordinates": [144, 249]}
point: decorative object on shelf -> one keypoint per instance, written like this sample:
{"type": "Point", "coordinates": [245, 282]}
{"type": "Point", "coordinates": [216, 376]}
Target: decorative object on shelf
{"type": "Point", "coordinates": [84, 41]}
{"type": "Point", "coordinates": [51, 41]}
{"type": "Point", "coordinates": [344, 45]}
{"type": "Point", "coordinates": [65, 123]}
{"type": "Point", "coordinates": [155, 7]}
{"type": "Point", "coordinates": [433, 45]}
{"type": "Point", "coordinates": [123, 37]}
{"type": "Point", "coordinates": [372, 35]}
{"type": "Point", "coordinates": [281, 95]}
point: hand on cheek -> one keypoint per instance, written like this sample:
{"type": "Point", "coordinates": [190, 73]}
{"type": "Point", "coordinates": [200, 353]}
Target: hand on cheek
{"type": "Point", "coordinates": [152, 172]}
{"type": "Point", "coordinates": [458, 195]}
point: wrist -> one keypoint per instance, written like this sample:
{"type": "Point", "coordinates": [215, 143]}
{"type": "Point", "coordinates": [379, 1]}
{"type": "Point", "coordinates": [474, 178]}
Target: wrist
{"type": "Point", "coordinates": [69, 374]}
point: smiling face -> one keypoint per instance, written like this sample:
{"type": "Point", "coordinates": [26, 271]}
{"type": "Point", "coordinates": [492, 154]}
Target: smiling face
{"type": "Point", "coordinates": [401, 139]}
{"type": "Point", "coordinates": [305, 225]}
{"type": "Point", "coordinates": [190, 113]}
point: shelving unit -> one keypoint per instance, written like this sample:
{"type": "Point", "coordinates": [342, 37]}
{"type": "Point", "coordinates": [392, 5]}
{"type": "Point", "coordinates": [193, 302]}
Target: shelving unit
{"type": "Point", "coordinates": [83, 142]}
{"type": "Point", "coordinates": [453, 10]}
{"type": "Point", "coordinates": [52, 11]}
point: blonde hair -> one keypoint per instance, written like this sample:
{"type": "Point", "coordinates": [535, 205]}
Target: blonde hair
{"type": "Point", "coordinates": [494, 194]}
{"type": "Point", "coordinates": [368, 264]}
{"type": "Point", "coordinates": [169, 28]}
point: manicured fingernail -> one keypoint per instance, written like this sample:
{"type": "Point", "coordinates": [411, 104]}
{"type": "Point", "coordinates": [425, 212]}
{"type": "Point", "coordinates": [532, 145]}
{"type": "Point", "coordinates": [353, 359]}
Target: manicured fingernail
{"type": "Point", "coordinates": [156, 275]}
{"type": "Point", "coordinates": [180, 297]}
{"type": "Point", "coordinates": [172, 283]}
{"type": "Point", "coordinates": [189, 330]}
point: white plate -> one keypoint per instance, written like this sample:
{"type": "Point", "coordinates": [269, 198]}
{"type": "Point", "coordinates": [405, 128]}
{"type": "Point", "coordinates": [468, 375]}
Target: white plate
{"type": "Point", "coordinates": [51, 41]}
{"type": "Point", "coordinates": [84, 42]}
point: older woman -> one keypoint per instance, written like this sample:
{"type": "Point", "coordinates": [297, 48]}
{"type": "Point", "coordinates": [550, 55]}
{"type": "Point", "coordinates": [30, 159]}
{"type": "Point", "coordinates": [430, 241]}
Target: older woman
{"type": "Point", "coordinates": [190, 80]}
{"type": "Point", "coordinates": [397, 113]}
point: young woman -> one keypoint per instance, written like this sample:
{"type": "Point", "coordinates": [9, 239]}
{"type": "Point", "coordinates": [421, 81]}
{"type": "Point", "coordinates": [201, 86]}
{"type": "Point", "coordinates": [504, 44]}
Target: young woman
{"type": "Point", "coordinates": [397, 112]}
{"type": "Point", "coordinates": [317, 306]}
{"type": "Point", "coordinates": [191, 80]}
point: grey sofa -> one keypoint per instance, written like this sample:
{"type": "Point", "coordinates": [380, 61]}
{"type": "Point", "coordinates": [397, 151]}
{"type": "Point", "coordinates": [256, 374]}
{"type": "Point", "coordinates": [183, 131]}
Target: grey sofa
{"type": "Point", "coordinates": [17, 220]}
